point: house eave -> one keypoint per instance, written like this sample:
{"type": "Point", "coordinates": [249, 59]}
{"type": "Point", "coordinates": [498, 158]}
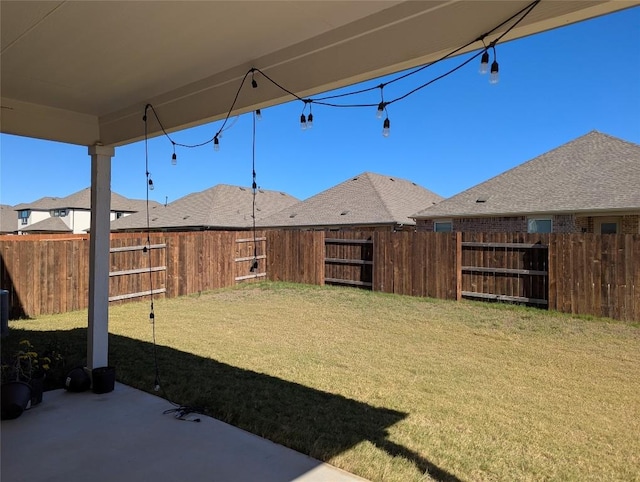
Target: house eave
{"type": "Point", "coordinates": [557, 212]}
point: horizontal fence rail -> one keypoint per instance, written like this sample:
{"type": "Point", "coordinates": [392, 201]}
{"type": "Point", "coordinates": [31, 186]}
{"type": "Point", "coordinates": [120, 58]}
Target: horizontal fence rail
{"type": "Point", "coordinates": [588, 274]}
{"type": "Point", "coordinates": [505, 267]}
{"type": "Point", "coordinates": [349, 259]}
{"type": "Point", "coordinates": [249, 259]}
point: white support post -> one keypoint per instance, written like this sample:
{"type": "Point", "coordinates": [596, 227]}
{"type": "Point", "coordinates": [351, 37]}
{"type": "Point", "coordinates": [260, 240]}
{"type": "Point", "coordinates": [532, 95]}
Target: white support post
{"type": "Point", "coordinates": [98, 332]}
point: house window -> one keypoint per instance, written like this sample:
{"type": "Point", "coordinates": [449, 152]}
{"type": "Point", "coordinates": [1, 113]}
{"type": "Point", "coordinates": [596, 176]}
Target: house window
{"type": "Point", "coordinates": [443, 226]}
{"type": "Point", "coordinates": [24, 216]}
{"type": "Point", "coordinates": [59, 213]}
{"type": "Point", "coordinates": [539, 225]}
{"type": "Point", "coordinates": [607, 225]}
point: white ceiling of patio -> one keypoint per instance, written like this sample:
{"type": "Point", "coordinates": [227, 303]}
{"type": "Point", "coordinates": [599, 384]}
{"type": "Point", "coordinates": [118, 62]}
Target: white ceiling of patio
{"type": "Point", "coordinates": [82, 71]}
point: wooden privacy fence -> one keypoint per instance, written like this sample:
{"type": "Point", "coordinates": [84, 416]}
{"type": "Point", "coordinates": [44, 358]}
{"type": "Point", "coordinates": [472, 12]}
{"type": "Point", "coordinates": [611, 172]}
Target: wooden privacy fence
{"type": "Point", "coordinates": [505, 267]}
{"type": "Point", "coordinates": [295, 256]}
{"type": "Point", "coordinates": [46, 276]}
{"type": "Point", "coordinates": [593, 274]}
{"type": "Point", "coordinates": [587, 274]}
{"type": "Point", "coordinates": [138, 268]}
{"type": "Point", "coordinates": [348, 260]}
{"type": "Point", "coordinates": [250, 258]}
{"type": "Point", "coordinates": [415, 264]}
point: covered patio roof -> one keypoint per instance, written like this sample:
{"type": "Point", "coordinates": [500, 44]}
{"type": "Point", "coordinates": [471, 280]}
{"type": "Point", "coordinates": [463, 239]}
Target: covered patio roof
{"type": "Point", "coordinates": [82, 72]}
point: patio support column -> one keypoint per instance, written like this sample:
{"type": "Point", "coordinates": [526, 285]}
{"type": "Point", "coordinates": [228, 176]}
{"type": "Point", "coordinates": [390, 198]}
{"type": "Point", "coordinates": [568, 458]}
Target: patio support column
{"type": "Point", "coordinates": [98, 332]}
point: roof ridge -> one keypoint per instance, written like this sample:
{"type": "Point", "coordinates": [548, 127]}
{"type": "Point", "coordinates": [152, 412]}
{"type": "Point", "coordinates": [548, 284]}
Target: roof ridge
{"type": "Point", "coordinates": [380, 197]}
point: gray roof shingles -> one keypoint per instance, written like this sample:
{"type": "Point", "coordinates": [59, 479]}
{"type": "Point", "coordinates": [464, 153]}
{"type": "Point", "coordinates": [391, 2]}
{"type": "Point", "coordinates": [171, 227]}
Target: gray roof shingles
{"type": "Point", "coordinates": [49, 225]}
{"type": "Point", "coordinates": [366, 199]}
{"type": "Point", "coordinates": [8, 219]}
{"type": "Point", "coordinates": [222, 206]}
{"type": "Point", "coordinates": [595, 172]}
{"type": "Point", "coordinates": [82, 200]}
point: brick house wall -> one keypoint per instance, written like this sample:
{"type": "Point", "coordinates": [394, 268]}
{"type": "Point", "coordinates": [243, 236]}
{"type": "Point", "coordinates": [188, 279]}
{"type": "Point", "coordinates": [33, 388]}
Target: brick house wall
{"type": "Point", "coordinates": [630, 224]}
{"type": "Point", "coordinates": [562, 223]}
{"type": "Point", "coordinates": [424, 225]}
{"type": "Point", "coordinates": [584, 224]}
{"type": "Point", "coordinates": [565, 223]}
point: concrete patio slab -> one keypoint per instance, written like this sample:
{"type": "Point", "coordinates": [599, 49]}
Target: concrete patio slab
{"type": "Point", "coordinates": [124, 435]}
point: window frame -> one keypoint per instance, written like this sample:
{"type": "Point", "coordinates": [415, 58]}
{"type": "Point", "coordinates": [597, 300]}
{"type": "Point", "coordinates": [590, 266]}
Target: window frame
{"type": "Point", "coordinates": [24, 220]}
{"type": "Point", "coordinates": [539, 218]}
{"type": "Point", "coordinates": [443, 221]}
{"type": "Point", "coordinates": [598, 221]}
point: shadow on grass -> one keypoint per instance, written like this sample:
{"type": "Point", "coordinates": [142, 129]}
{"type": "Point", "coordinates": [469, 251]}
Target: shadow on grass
{"type": "Point", "coordinates": [310, 421]}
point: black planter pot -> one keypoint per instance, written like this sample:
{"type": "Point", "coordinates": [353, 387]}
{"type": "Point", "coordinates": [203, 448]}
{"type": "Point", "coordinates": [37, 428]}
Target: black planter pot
{"type": "Point", "coordinates": [37, 389]}
{"type": "Point", "coordinates": [15, 398]}
{"type": "Point", "coordinates": [104, 379]}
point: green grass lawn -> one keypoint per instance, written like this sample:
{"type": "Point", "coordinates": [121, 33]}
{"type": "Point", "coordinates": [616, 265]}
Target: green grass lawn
{"type": "Point", "coordinates": [390, 387]}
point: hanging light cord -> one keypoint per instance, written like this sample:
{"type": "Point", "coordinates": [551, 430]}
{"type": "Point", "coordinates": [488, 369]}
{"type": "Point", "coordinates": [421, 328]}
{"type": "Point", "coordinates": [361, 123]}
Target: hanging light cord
{"type": "Point", "coordinates": [220, 130]}
{"type": "Point", "coordinates": [180, 411]}
{"type": "Point", "coordinates": [147, 248]}
{"type": "Point", "coordinates": [254, 187]}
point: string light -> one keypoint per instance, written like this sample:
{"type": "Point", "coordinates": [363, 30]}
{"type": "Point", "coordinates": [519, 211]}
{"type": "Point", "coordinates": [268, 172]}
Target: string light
{"type": "Point", "coordinates": [303, 122]}
{"type": "Point", "coordinates": [494, 76]}
{"type": "Point", "coordinates": [484, 63]}
{"type": "Point", "coordinates": [310, 121]}
{"type": "Point", "coordinates": [151, 187]}
{"type": "Point", "coordinates": [216, 144]}
{"type": "Point", "coordinates": [380, 110]}
{"type": "Point", "coordinates": [386, 128]}
{"type": "Point", "coordinates": [174, 158]}
{"type": "Point", "coordinates": [258, 115]}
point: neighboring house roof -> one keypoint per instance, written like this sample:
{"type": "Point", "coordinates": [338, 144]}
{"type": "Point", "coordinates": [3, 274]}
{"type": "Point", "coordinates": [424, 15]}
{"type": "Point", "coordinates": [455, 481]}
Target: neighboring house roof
{"type": "Point", "coordinates": [49, 225]}
{"type": "Point", "coordinates": [366, 199]}
{"type": "Point", "coordinates": [42, 204]}
{"type": "Point", "coordinates": [8, 219]}
{"type": "Point", "coordinates": [82, 200]}
{"type": "Point", "coordinates": [222, 206]}
{"type": "Point", "coordinates": [595, 172]}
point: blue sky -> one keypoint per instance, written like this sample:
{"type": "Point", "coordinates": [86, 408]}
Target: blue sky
{"type": "Point", "coordinates": [456, 133]}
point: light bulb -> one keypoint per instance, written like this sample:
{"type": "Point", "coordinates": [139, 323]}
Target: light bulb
{"type": "Point", "coordinates": [303, 122]}
{"type": "Point", "coordinates": [380, 110]}
{"type": "Point", "coordinates": [216, 144]}
{"type": "Point", "coordinates": [258, 114]}
{"type": "Point", "coordinates": [151, 185]}
{"type": "Point", "coordinates": [174, 159]}
{"type": "Point", "coordinates": [310, 121]}
{"type": "Point", "coordinates": [484, 63]}
{"type": "Point", "coordinates": [254, 84]}
{"type": "Point", "coordinates": [386, 126]}
{"type": "Point", "coordinates": [494, 76]}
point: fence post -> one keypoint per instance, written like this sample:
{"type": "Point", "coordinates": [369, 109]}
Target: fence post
{"type": "Point", "coordinates": [458, 266]}
{"type": "Point", "coordinates": [551, 272]}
